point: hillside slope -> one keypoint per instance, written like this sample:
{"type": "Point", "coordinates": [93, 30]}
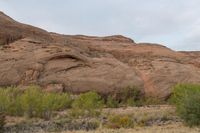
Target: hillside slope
{"type": "Point", "coordinates": [78, 63]}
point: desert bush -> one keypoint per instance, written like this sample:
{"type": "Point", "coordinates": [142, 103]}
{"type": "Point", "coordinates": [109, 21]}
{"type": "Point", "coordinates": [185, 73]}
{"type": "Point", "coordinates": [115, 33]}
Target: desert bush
{"type": "Point", "coordinates": [131, 102]}
{"type": "Point", "coordinates": [131, 96]}
{"type": "Point", "coordinates": [135, 103]}
{"type": "Point", "coordinates": [120, 121]}
{"type": "Point", "coordinates": [131, 92]}
{"type": "Point", "coordinates": [89, 104]}
{"type": "Point", "coordinates": [33, 102]}
{"type": "Point", "coordinates": [112, 103]}
{"type": "Point", "coordinates": [153, 101]}
{"type": "Point", "coordinates": [36, 103]}
{"type": "Point", "coordinates": [80, 124]}
{"type": "Point", "coordinates": [91, 125]}
{"type": "Point", "coordinates": [9, 101]}
{"type": "Point", "coordinates": [186, 98]}
{"type": "Point", "coordinates": [150, 119]}
{"type": "Point", "coordinates": [4, 100]}
{"type": "Point", "coordinates": [2, 121]}
{"type": "Point", "coordinates": [54, 102]}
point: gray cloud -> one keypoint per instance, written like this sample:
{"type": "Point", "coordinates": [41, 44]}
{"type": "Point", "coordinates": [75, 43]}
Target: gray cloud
{"type": "Point", "coordinates": [175, 24]}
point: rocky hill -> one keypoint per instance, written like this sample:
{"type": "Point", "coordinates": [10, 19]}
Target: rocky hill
{"type": "Point", "coordinates": [29, 55]}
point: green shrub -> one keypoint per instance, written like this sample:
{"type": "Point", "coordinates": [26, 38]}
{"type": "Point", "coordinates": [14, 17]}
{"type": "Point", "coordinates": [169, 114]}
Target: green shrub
{"type": "Point", "coordinates": [131, 102]}
{"type": "Point", "coordinates": [4, 100]}
{"type": "Point", "coordinates": [33, 102]}
{"type": "Point", "coordinates": [131, 96]}
{"type": "Point", "coordinates": [36, 103]}
{"type": "Point", "coordinates": [135, 103]}
{"type": "Point", "coordinates": [89, 103]}
{"type": "Point", "coordinates": [186, 98]}
{"type": "Point", "coordinates": [54, 102]}
{"type": "Point", "coordinates": [120, 121]}
{"type": "Point", "coordinates": [131, 92]}
{"type": "Point", "coordinates": [9, 101]}
{"type": "Point", "coordinates": [112, 103]}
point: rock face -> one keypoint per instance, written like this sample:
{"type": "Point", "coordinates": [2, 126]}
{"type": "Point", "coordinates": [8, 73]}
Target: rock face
{"type": "Point", "coordinates": [78, 63]}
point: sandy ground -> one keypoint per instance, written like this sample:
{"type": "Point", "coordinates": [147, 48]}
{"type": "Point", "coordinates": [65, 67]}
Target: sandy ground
{"type": "Point", "coordinates": [175, 128]}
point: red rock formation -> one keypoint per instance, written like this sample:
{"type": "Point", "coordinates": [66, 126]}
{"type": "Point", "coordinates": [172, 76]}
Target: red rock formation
{"type": "Point", "coordinates": [81, 63]}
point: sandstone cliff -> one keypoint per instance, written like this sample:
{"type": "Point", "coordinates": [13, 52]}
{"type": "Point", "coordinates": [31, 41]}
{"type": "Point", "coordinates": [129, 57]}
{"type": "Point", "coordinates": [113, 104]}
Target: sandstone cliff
{"type": "Point", "coordinates": [29, 55]}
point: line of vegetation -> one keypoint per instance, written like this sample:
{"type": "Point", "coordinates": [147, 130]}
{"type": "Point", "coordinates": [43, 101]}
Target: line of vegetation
{"type": "Point", "coordinates": [133, 97]}
{"type": "Point", "coordinates": [34, 102]}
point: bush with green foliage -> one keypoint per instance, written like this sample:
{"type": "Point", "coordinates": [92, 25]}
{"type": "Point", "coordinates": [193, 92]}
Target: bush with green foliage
{"type": "Point", "coordinates": [10, 101]}
{"type": "Point", "coordinates": [36, 103]}
{"type": "Point", "coordinates": [33, 102]}
{"type": "Point", "coordinates": [88, 104]}
{"type": "Point", "coordinates": [135, 103]}
{"type": "Point", "coordinates": [131, 92]}
{"type": "Point", "coordinates": [131, 96]}
{"type": "Point", "coordinates": [186, 98]}
{"type": "Point", "coordinates": [120, 121]}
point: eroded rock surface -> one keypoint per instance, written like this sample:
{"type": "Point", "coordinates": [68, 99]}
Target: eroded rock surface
{"type": "Point", "coordinates": [78, 63]}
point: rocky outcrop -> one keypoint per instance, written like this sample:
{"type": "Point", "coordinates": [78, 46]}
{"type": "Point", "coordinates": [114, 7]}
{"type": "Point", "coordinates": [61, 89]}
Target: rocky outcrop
{"type": "Point", "coordinates": [78, 63]}
{"type": "Point", "coordinates": [11, 30]}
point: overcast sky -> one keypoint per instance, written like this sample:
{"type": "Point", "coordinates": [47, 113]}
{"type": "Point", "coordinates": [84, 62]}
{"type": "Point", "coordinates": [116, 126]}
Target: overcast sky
{"type": "Point", "coordinates": [173, 23]}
